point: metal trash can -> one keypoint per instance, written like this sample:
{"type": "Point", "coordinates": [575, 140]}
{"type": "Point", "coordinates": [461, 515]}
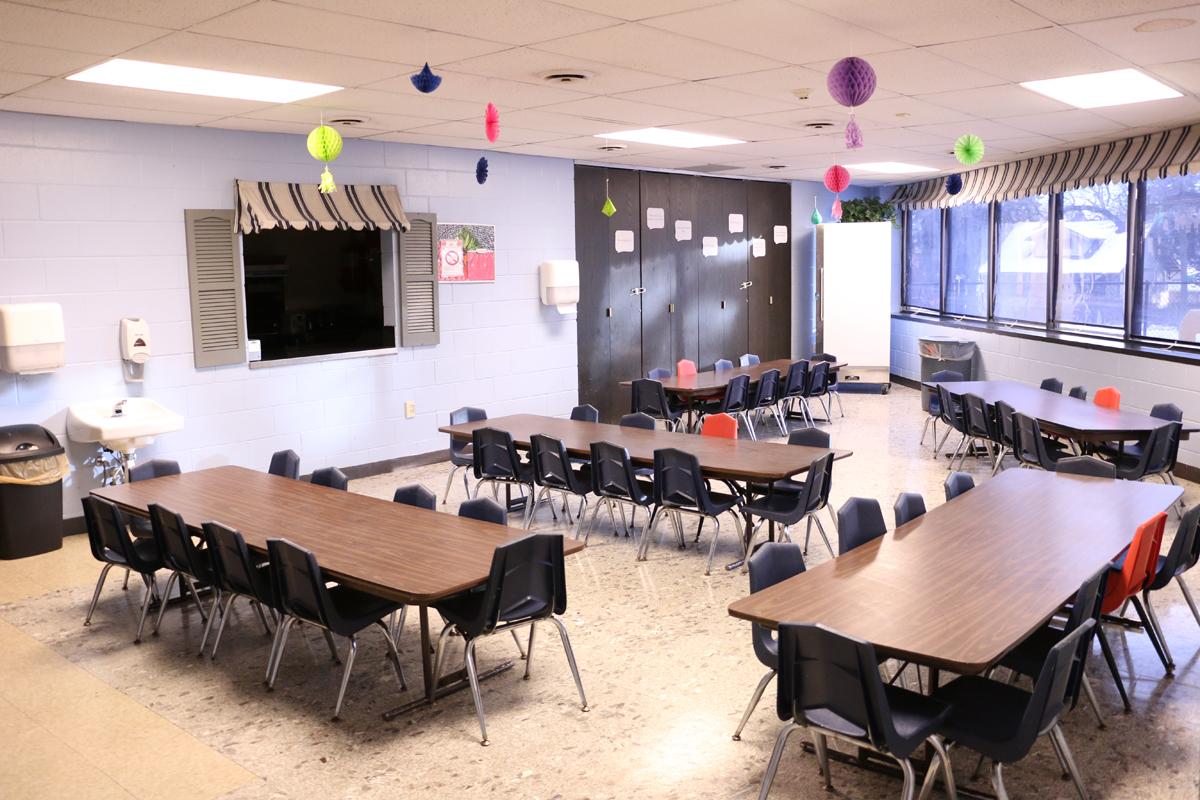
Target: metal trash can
{"type": "Point", "coordinates": [32, 467]}
{"type": "Point", "coordinates": [943, 352]}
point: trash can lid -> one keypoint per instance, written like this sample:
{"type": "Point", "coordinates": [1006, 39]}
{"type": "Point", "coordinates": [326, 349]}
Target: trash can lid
{"type": "Point", "coordinates": [19, 442]}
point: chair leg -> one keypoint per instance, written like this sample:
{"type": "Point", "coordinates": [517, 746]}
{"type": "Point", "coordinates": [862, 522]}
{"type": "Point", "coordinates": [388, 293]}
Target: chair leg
{"type": "Point", "coordinates": [212, 616]}
{"type": "Point", "coordinates": [824, 538]}
{"type": "Point", "coordinates": [393, 654]}
{"type": "Point", "coordinates": [821, 746]}
{"type": "Point", "coordinates": [998, 781]}
{"type": "Point", "coordinates": [644, 544]}
{"type": "Point", "coordinates": [277, 647]}
{"type": "Point", "coordinates": [1092, 701]}
{"type": "Point", "coordinates": [261, 617]}
{"type": "Point", "coordinates": [1150, 625]}
{"type": "Point", "coordinates": [807, 533]}
{"type": "Point", "coordinates": [221, 628]}
{"type": "Point", "coordinates": [570, 653]}
{"type": "Point", "coordinates": [712, 548]}
{"type": "Point", "coordinates": [754, 698]}
{"type": "Point", "coordinates": [832, 516]}
{"type": "Point", "coordinates": [939, 764]}
{"type": "Point", "coordinates": [125, 583]}
{"type": "Point", "coordinates": [439, 650]}
{"type": "Point", "coordinates": [104, 574]}
{"type": "Point", "coordinates": [1153, 616]}
{"type": "Point", "coordinates": [1187, 595]}
{"type": "Point", "coordinates": [909, 790]}
{"type": "Point", "coordinates": [528, 647]}
{"type": "Point", "coordinates": [938, 448]}
{"type": "Point", "coordinates": [191, 587]}
{"type": "Point", "coordinates": [473, 676]}
{"type": "Point", "coordinates": [520, 647]}
{"type": "Point", "coordinates": [162, 607]}
{"type": "Point", "coordinates": [332, 647]}
{"type": "Point", "coordinates": [925, 430]}
{"type": "Point", "coordinates": [1112, 666]}
{"type": "Point", "coordinates": [350, 654]}
{"type": "Point", "coordinates": [1057, 734]}
{"type": "Point", "coordinates": [151, 590]}
{"type": "Point", "coordinates": [776, 755]}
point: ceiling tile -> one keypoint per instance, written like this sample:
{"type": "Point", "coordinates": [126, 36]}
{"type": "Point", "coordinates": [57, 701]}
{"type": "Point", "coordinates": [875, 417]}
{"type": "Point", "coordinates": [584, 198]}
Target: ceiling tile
{"type": "Point", "coordinates": [526, 64]}
{"type": "Point", "coordinates": [15, 81]}
{"type": "Point", "coordinates": [915, 71]}
{"type": "Point", "coordinates": [1065, 11]}
{"type": "Point", "coordinates": [659, 52]}
{"type": "Point", "coordinates": [907, 111]}
{"type": "Point", "coordinates": [996, 101]}
{"type": "Point", "coordinates": [986, 129]}
{"type": "Point", "coordinates": [777, 29]}
{"type": "Point", "coordinates": [277, 126]}
{"type": "Point", "coordinates": [549, 149]}
{"type": "Point", "coordinates": [465, 130]}
{"type": "Point", "coordinates": [745, 130]}
{"type": "Point", "coordinates": [146, 12]}
{"type": "Point", "coordinates": [313, 29]}
{"type": "Point", "coordinates": [1023, 145]}
{"type": "Point", "coordinates": [902, 137]}
{"type": "Point", "coordinates": [307, 115]}
{"type": "Point", "coordinates": [1034, 55]}
{"type": "Point", "coordinates": [592, 145]}
{"type": "Point", "coordinates": [74, 92]}
{"type": "Point", "coordinates": [782, 84]}
{"type": "Point", "coordinates": [46, 61]}
{"type": "Point", "coordinates": [640, 9]}
{"type": "Point", "coordinates": [38, 105]}
{"type": "Point", "coordinates": [708, 99]}
{"type": "Point", "coordinates": [1066, 124]}
{"type": "Point", "coordinates": [625, 112]}
{"type": "Point", "coordinates": [365, 101]}
{"type": "Point", "coordinates": [1184, 75]}
{"type": "Point", "coordinates": [1121, 37]}
{"type": "Point", "coordinates": [801, 145]}
{"type": "Point", "coordinates": [424, 138]}
{"type": "Point", "coordinates": [510, 21]}
{"type": "Point", "coordinates": [926, 22]}
{"type": "Point", "coordinates": [482, 89]}
{"type": "Point", "coordinates": [541, 120]}
{"type": "Point", "coordinates": [39, 26]}
{"type": "Point", "coordinates": [1158, 113]}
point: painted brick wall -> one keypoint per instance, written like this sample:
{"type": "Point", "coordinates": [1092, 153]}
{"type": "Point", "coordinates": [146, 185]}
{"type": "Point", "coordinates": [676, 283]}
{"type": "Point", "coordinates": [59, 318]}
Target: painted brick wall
{"type": "Point", "coordinates": [91, 216]}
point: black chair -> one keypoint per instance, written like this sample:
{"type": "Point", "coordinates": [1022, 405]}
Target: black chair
{"type": "Point", "coordinates": [1167, 411]}
{"type": "Point", "coordinates": [553, 472]}
{"type": "Point", "coordinates": [748, 360]}
{"type": "Point", "coordinates": [766, 400]}
{"type": "Point", "coordinates": [791, 390]}
{"type": "Point", "coordinates": [1085, 465]}
{"type": "Point", "coordinates": [935, 403]}
{"type": "Point", "coordinates": [1078, 392]}
{"type": "Point", "coordinates": [735, 402]}
{"type": "Point", "coordinates": [304, 598]}
{"type": "Point", "coordinates": [187, 562]}
{"type": "Point", "coordinates": [817, 389]}
{"type": "Point", "coordinates": [771, 563]}
{"type": "Point", "coordinates": [1030, 447]}
{"type": "Point", "coordinates": [819, 499]}
{"type": "Point", "coordinates": [460, 449]}
{"type": "Point", "coordinates": [639, 420]}
{"type": "Point", "coordinates": [980, 426]}
{"type": "Point", "coordinates": [483, 509]}
{"type": "Point", "coordinates": [154, 468]}
{"type": "Point", "coordinates": [1157, 457]}
{"type": "Point", "coordinates": [616, 484]}
{"type": "Point", "coordinates": [1004, 427]}
{"type": "Point", "coordinates": [236, 573]}
{"type": "Point", "coordinates": [860, 520]}
{"type": "Point", "coordinates": [908, 506]}
{"type": "Point", "coordinates": [722, 363]}
{"type": "Point", "coordinates": [957, 483]}
{"type": "Point", "coordinates": [495, 462]}
{"type": "Point", "coordinates": [810, 437]}
{"type": "Point", "coordinates": [285, 464]}
{"type": "Point", "coordinates": [680, 488]}
{"type": "Point", "coordinates": [112, 545]}
{"type": "Point", "coordinates": [414, 494]}
{"type": "Point", "coordinates": [830, 684]}
{"type": "Point", "coordinates": [658, 373]}
{"type": "Point", "coordinates": [332, 477]}
{"type": "Point", "coordinates": [649, 397]}
{"type": "Point", "coordinates": [1001, 721]}
{"type": "Point", "coordinates": [586, 413]}
{"type": "Point", "coordinates": [953, 419]}
{"type": "Point", "coordinates": [526, 585]}
{"type": "Point", "coordinates": [791, 503]}
{"type": "Point", "coordinates": [834, 389]}
{"type": "Point", "coordinates": [1052, 385]}
{"type": "Point", "coordinates": [1178, 560]}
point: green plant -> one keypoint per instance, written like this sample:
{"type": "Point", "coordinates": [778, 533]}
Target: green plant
{"type": "Point", "coordinates": [868, 209]}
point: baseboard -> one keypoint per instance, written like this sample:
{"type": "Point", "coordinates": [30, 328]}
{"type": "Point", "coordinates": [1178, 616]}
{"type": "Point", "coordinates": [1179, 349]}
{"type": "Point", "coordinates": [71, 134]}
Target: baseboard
{"type": "Point", "coordinates": [73, 526]}
{"type": "Point", "coordinates": [909, 382]}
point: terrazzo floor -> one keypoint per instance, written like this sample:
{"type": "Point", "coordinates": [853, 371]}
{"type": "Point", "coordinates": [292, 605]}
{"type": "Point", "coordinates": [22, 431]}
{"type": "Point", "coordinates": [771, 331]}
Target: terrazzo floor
{"type": "Point", "coordinates": [667, 672]}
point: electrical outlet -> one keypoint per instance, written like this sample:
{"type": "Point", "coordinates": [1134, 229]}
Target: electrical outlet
{"type": "Point", "coordinates": [410, 409]}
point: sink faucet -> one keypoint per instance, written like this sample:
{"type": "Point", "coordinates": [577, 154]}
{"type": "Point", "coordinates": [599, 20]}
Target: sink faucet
{"type": "Point", "coordinates": [119, 408]}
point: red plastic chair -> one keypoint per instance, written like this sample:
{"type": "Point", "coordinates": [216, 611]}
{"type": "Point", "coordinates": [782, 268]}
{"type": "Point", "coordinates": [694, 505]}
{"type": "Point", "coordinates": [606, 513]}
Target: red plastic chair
{"type": "Point", "coordinates": [721, 425]}
{"type": "Point", "coordinates": [685, 367]}
{"type": "Point", "coordinates": [1141, 560]}
{"type": "Point", "coordinates": [1108, 397]}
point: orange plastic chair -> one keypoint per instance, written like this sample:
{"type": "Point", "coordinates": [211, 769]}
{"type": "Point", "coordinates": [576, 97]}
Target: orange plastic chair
{"type": "Point", "coordinates": [1108, 397]}
{"type": "Point", "coordinates": [1141, 561]}
{"type": "Point", "coordinates": [721, 425]}
{"type": "Point", "coordinates": [685, 367]}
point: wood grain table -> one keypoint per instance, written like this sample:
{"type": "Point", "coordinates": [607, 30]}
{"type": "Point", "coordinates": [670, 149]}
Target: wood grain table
{"type": "Point", "coordinates": [406, 554]}
{"type": "Point", "coordinates": [963, 584]}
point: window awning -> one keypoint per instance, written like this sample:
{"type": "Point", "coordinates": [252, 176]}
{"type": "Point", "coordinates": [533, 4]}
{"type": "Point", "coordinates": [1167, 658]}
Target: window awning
{"type": "Point", "coordinates": [262, 205]}
{"type": "Point", "coordinates": [1162, 154]}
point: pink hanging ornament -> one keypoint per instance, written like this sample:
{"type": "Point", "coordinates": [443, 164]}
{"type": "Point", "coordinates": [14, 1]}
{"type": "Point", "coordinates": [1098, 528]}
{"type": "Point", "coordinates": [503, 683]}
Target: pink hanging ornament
{"type": "Point", "coordinates": [854, 138]}
{"type": "Point", "coordinates": [837, 210]}
{"type": "Point", "coordinates": [491, 123]}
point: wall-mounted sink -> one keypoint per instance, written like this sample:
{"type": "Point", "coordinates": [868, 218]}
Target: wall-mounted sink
{"type": "Point", "coordinates": [123, 424]}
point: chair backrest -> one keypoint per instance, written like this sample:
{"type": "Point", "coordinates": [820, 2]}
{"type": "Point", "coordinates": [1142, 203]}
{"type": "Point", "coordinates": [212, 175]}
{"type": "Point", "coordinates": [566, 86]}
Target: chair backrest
{"type": "Point", "coordinates": [527, 579]}
{"type": "Point", "coordinates": [332, 477]}
{"type": "Point", "coordinates": [1028, 445]}
{"type": "Point", "coordinates": [957, 483]}
{"type": "Point", "coordinates": [286, 464]}
{"type": "Point", "coordinates": [859, 521]}
{"type": "Point", "coordinates": [649, 397]}
{"type": "Point", "coordinates": [1108, 397]}
{"type": "Point", "coordinates": [484, 509]}
{"type": "Point", "coordinates": [493, 454]}
{"type": "Point", "coordinates": [908, 506]}
{"type": "Point", "coordinates": [818, 379]}
{"type": "Point", "coordinates": [721, 425]}
{"type": "Point", "coordinates": [1062, 667]}
{"type": "Point", "coordinates": [612, 471]}
{"type": "Point", "coordinates": [737, 394]}
{"type": "Point", "coordinates": [1085, 465]}
{"type": "Point", "coordinates": [588, 412]}
{"type": "Point", "coordinates": [1141, 561]}
{"type": "Point", "coordinates": [820, 482]}
{"type": "Point", "coordinates": [831, 359]}
{"type": "Point", "coordinates": [796, 380]}
{"type": "Point", "coordinates": [809, 437]}
{"type": "Point", "coordinates": [414, 494]}
{"type": "Point", "coordinates": [951, 409]}
{"type": "Point", "coordinates": [771, 563]}
{"type": "Point", "coordinates": [1167, 411]}
{"type": "Point", "coordinates": [552, 465]}
{"type": "Point", "coordinates": [1183, 549]}
{"type": "Point", "coordinates": [174, 541]}
{"type": "Point", "coordinates": [108, 527]}
{"type": "Point", "coordinates": [748, 360]}
{"type": "Point", "coordinates": [685, 366]}
{"type": "Point", "coordinates": [154, 468]}
{"type": "Point", "coordinates": [768, 389]}
{"type": "Point", "coordinates": [722, 363]}
{"type": "Point", "coordinates": [638, 420]}
{"type": "Point", "coordinates": [461, 416]}
{"type": "Point", "coordinates": [658, 373]}
{"type": "Point", "coordinates": [233, 567]}
{"type": "Point", "coordinates": [946, 375]}
{"type": "Point", "coordinates": [1158, 454]}
{"type": "Point", "coordinates": [1078, 392]}
{"type": "Point", "coordinates": [298, 582]}
{"type": "Point", "coordinates": [678, 480]}
{"type": "Point", "coordinates": [1004, 422]}
{"type": "Point", "coordinates": [1052, 385]}
{"type": "Point", "coordinates": [978, 420]}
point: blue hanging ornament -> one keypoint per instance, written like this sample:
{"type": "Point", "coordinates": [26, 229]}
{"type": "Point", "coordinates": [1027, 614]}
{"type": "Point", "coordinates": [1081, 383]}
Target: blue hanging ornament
{"type": "Point", "coordinates": [954, 183]}
{"type": "Point", "coordinates": [425, 81]}
{"type": "Point", "coordinates": [481, 170]}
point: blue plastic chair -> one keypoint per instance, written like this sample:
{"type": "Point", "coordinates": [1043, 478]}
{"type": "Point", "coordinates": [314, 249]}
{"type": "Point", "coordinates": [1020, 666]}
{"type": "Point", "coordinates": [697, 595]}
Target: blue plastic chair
{"type": "Point", "coordinates": [860, 520]}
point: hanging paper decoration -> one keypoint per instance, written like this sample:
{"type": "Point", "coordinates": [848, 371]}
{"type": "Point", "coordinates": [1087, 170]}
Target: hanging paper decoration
{"type": "Point", "coordinates": [837, 178]}
{"type": "Point", "coordinates": [491, 123]}
{"type": "Point", "coordinates": [481, 170]}
{"type": "Point", "coordinates": [815, 219]}
{"type": "Point", "coordinates": [837, 209]}
{"type": "Point", "coordinates": [968, 149]}
{"type": "Point", "coordinates": [851, 82]}
{"type": "Point", "coordinates": [425, 81]}
{"type": "Point", "coordinates": [954, 183]}
{"type": "Point", "coordinates": [609, 207]}
{"type": "Point", "coordinates": [325, 145]}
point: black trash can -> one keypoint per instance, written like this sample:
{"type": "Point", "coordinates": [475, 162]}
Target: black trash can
{"type": "Point", "coordinates": [32, 467]}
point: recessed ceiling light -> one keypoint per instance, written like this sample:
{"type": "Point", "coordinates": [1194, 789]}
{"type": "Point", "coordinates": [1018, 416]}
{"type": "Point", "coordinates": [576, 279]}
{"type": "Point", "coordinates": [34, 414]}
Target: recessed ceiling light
{"type": "Point", "coordinates": [669, 138]}
{"type": "Point", "coordinates": [1167, 24]}
{"type": "Point", "coordinates": [890, 167]}
{"type": "Point", "coordinates": [206, 82]}
{"type": "Point", "coordinates": [1099, 89]}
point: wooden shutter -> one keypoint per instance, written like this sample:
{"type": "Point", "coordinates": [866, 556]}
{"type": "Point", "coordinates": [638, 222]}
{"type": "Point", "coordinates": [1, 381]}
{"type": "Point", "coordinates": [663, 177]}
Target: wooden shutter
{"type": "Point", "coordinates": [418, 282]}
{"type": "Point", "coordinates": [217, 293]}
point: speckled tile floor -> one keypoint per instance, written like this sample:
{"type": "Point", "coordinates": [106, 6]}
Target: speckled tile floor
{"type": "Point", "coordinates": [667, 673]}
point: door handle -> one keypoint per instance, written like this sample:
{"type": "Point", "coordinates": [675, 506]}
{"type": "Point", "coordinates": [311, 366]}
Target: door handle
{"type": "Point", "coordinates": [638, 290]}
{"type": "Point", "coordinates": [747, 285]}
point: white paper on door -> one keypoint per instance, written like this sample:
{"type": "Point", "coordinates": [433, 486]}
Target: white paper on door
{"type": "Point", "coordinates": [683, 230]}
{"type": "Point", "coordinates": [655, 218]}
{"type": "Point", "coordinates": [624, 241]}
{"type": "Point", "coordinates": [781, 234]}
{"type": "Point", "coordinates": [708, 246]}
{"type": "Point", "coordinates": [736, 223]}
{"type": "Point", "coordinates": [758, 247]}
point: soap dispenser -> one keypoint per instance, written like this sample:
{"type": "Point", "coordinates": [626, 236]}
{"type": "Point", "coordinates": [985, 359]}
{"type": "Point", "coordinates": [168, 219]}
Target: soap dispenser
{"type": "Point", "coordinates": [135, 347]}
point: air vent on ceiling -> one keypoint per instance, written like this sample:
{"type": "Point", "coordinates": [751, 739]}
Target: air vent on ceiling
{"type": "Point", "coordinates": [611, 148]}
{"type": "Point", "coordinates": [818, 126]}
{"type": "Point", "coordinates": [775, 166]}
{"type": "Point", "coordinates": [710, 168]}
{"type": "Point", "coordinates": [566, 76]}
{"type": "Point", "coordinates": [348, 122]}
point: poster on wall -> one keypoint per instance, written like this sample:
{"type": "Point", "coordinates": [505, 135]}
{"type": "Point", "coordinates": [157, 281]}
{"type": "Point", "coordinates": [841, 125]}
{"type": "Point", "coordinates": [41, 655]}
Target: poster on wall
{"type": "Point", "coordinates": [466, 252]}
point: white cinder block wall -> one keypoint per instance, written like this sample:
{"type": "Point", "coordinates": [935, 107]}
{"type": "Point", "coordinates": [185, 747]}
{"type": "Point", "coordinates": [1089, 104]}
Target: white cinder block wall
{"type": "Point", "coordinates": [91, 216]}
{"type": "Point", "coordinates": [1141, 381]}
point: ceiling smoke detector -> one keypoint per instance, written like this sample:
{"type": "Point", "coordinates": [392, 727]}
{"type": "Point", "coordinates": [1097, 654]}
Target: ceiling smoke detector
{"type": "Point", "coordinates": [566, 76]}
{"type": "Point", "coordinates": [818, 126]}
{"type": "Point", "coordinates": [802, 93]}
{"type": "Point", "coordinates": [611, 148]}
{"type": "Point", "coordinates": [348, 122]}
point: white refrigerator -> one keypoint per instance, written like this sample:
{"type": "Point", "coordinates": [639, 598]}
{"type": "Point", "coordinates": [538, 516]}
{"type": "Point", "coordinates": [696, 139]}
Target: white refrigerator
{"type": "Point", "coordinates": [854, 293]}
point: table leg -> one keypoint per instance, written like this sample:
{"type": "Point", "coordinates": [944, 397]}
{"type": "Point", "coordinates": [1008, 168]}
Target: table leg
{"type": "Point", "coordinates": [427, 657]}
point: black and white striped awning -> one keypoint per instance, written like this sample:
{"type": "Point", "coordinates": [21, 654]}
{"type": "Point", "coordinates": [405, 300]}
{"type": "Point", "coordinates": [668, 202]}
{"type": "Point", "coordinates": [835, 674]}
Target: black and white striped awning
{"type": "Point", "coordinates": [1155, 155]}
{"type": "Point", "coordinates": [262, 205]}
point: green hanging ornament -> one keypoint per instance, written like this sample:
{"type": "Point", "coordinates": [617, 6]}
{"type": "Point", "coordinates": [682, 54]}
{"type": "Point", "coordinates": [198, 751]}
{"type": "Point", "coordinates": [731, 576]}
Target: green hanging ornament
{"type": "Point", "coordinates": [325, 144]}
{"type": "Point", "coordinates": [968, 149]}
{"type": "Point", "coordinates": [815, 219]}
{"type": "Point", "coordinates": [609, 208]}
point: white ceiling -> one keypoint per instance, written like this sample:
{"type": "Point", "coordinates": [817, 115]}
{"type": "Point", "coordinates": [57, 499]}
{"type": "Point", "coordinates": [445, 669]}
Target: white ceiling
{"type": "Point", "coordinates": [727, 67]}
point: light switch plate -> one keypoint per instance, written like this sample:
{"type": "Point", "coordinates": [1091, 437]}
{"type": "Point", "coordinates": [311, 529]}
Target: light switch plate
{"type": "Point", "coordinates": [410, 409]}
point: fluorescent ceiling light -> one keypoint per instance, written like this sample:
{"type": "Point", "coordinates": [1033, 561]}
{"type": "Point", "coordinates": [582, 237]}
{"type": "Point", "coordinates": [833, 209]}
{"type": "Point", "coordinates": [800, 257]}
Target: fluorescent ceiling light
{"type": "Point", "coordinates": [890, 167]}
{"type": "Point", "coordinates": [1099, 89]}
{"type": "Point", "coordinates": [207, 82]}
{"type": "Point", "coordinates": [669, 138]}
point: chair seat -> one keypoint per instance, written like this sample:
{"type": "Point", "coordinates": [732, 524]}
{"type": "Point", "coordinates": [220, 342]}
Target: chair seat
{"type": "Point", "coordinates": [1028, 657]}
{"type": "Point", "coordinates": [463, 459]}
{"type": "Point", "coordinates": [464, 609]}
{"type": "Point", "coordinates": [776, 507]}
{"type": "Point", "coordinates": [644, 488]}
{"type": "Point", "coordinates": [147, 551]}
{"type": "Point", "coordinates": [351, 610]}
{"type": "Point", "coordinates": [985, 715]}
{"type": "Point", "coordinates": [718, 504]}
{"type": "Point", "coordinates": [524, 473]}
{"type": "Point", "coordinates": [915, 716]}
{"type": "Point", "coordinates": [140, 527]}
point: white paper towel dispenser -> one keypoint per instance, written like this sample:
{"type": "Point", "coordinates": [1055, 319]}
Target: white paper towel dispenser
{"type": "Point", "coordinates": [558, 283]}
{"type": "Point", "coordinates": [32, 337]}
